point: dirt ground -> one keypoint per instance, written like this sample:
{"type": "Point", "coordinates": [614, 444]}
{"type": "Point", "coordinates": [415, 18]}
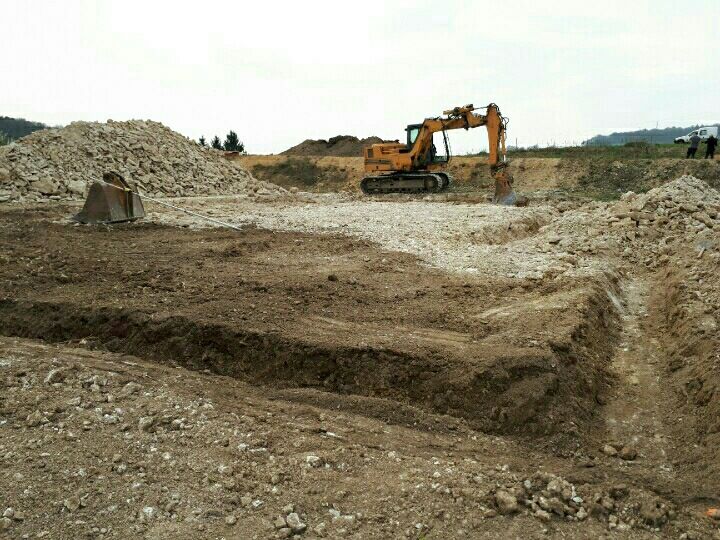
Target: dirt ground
{"type": "Point", "coordinates": [567, 177]}
{"type": "Point", "coordinates": [465, 371]}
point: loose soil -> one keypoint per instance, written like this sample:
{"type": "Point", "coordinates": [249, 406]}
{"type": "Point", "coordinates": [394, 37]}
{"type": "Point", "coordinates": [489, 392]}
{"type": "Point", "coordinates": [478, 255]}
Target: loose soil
{"type": "Point", "coordinates": [286, 309]}
{"type": "Point", "coordinates": [173, 380]}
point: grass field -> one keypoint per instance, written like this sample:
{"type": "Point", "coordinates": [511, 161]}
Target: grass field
{"type": "Point", "coordinates": [634, 150]}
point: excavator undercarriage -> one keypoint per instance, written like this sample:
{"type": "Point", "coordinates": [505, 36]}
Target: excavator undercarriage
{"type": "Point", "coordinates": [401, 182]}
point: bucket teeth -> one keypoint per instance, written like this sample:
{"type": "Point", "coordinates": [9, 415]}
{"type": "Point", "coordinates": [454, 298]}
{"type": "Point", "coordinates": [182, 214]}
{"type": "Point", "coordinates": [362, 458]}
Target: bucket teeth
{"type": "Point", "coordinates": [111, 201]}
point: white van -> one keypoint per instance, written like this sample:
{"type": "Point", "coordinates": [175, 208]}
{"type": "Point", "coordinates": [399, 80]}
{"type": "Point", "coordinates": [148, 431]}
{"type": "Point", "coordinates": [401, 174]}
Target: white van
{"type": "Point", "coordinates": [703, 132]}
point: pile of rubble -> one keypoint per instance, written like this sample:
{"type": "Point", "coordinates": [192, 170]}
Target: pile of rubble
{"type": "Point", "coordinates": [651, 225]}
{"type": "Point", "coordinates": [546, 496]}
{"type": "Point", "coordinates": [61, 163]}
{"type": "Point", "coordinates": [686, 205]}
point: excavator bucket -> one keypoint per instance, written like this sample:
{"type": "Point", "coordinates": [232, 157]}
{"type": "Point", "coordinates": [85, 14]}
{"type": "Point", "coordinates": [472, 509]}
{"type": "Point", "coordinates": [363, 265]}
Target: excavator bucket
{"type": "Point", "coordinates": [111, 201]}
{"type": "Point", "coordinates": [504, 192]}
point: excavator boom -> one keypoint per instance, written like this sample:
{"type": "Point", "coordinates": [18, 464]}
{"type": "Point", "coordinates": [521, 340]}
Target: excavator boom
{"type": "Point", "coordinates": [416, 167]}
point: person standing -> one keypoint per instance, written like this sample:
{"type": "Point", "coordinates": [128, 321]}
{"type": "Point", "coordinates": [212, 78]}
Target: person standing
{"type": "Point", "coordinates": [694, 143]}
{"type": "Point", "coordinates": [711, 144]}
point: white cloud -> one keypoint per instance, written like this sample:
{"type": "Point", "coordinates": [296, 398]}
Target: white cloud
{"type": "Point", "coordinates": [280, 72]}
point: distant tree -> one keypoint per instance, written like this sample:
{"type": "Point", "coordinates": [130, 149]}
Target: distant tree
{"type": "Point", "coordinates": [4, 139]}
{"type": "Point", "coordinates": [215, 143]}
{"type": "Point", "coordinates": [202, 140]}
{"type": "Point", "coordinates": [14, 128]}
{"type": "Point", "coordinates": [233, 143]}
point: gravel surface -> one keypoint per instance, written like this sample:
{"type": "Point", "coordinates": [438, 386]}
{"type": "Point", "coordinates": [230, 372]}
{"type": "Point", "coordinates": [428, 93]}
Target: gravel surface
{"type": "Point", "coordinates": [473, 238]}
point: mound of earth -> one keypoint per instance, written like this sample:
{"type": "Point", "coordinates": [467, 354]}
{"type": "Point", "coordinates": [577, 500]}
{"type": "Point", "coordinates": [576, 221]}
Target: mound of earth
{"type": "Point", "coordinates": [340, 145]}
{"type": "Point", "coordinates": [62, 163]}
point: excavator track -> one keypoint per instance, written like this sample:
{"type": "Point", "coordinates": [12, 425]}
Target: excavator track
{"type": "Point", "coordinates": [420, 182]}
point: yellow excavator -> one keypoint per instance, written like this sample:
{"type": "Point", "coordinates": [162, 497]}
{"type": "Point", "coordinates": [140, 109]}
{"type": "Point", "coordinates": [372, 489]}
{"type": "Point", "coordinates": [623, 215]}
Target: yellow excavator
{"type": "Point", "coordinates": [417, 167]}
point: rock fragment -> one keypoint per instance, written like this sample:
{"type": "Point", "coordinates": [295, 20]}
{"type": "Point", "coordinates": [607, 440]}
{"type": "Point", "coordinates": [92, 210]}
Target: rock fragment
{"type": "Point", "coordinates": [296, 525]}
{"type": "Point", "coordinates": [506, 502]}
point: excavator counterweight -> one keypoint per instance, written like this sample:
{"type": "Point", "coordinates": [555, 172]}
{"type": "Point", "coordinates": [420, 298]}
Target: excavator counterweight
{"type": "Point", "coordinates": [416, 167]}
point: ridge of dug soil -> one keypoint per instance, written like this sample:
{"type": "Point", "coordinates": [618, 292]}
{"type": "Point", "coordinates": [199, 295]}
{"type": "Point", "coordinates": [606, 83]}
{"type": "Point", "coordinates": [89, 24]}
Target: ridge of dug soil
{"type": "Point", "coordinates": [340, 145]}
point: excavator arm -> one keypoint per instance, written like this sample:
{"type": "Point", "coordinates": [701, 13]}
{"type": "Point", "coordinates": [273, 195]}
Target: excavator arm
{"type": "Point", "coordinates": [466, 118]}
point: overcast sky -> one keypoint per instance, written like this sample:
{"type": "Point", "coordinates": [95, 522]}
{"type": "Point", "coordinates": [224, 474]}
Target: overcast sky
{"type": "Point", "coordinates": [282, 72]}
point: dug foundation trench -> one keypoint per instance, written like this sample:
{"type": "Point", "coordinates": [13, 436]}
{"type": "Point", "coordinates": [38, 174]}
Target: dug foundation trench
{"type": "Point", "coordinates": [523, 390]}
{"type": "Point", "coordinates": [534, 363]}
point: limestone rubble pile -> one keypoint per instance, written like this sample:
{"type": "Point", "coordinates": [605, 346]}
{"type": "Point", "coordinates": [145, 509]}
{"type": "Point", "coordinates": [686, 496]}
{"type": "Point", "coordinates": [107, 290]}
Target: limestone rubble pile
{"type": "Point", "coordinates": [548, 497]}
{"type": "Point", "coordinates": [687, 204]}
{"type": "Point", "coordinates": [62, 163]}
{"type": "Point", "coordinates": [653, 226]}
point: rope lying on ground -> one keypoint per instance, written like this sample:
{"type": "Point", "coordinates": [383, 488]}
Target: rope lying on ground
{"type": "Point", "coordinates": [189, 212]}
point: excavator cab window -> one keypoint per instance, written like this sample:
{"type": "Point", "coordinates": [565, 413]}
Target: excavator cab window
{"type": "Point", "coordinates": [440, 142]}
{"type": "Point", "coordinates": [412, 133]}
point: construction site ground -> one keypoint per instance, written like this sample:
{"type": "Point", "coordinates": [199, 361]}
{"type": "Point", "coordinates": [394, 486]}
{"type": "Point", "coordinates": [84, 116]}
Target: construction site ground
{"type": "Point", "coordinates": [397, 367]}
{"type": "Point", "coordinates": [581, 175]}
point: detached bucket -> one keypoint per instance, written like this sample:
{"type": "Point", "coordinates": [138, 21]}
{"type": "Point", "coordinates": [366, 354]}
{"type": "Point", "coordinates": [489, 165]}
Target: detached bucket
{"type": "Point", "coordinates": [111, 202]}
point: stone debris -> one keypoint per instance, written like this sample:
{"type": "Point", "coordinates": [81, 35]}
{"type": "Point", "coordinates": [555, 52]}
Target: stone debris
{"type": "Point", "coordinates": [546, 497]}
{"type": "Point", "coordinates": [609, 450]}
{"type": "Point", "coordinates": [628, 453]}
{"type": "Point", "coordinates": [683, 205]}
{"type": "Point", "coordinates": [506, 502]}
{"type": "Point", "coordinates": [296, 525]}
{"type": "Point", "coordinates": [55, 376]}
{"type": "Point", "coordinates": [62, 163]}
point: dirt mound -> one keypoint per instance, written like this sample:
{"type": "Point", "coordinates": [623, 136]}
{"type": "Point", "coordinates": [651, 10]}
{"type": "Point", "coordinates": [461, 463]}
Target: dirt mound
{"type": "Point", "coordinates": [62, 163]}
{"type": "Point", "coordinates": [686, 189]}
{"type": "Point", "coordinates": [340, 145]}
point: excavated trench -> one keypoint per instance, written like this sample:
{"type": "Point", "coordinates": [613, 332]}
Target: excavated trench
{"type": "Point", "coordinates": [536, 390]}
{"type": "Point", "coordinates": [286, 311]}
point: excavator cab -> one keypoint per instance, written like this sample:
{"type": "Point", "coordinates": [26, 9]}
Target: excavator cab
{"type": "Point", "coordinates": [432, 155]}
{"type": "Point", "coordinates": [441, 158]}
{"type": "Point", "coordinates": [412, 133]}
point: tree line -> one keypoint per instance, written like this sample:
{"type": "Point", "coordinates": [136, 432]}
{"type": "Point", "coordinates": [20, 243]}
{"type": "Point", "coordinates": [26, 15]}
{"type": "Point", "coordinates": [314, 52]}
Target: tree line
{"type": "Point", "coordinates": [14, 128]}
{"type": "Point", "coordinates": [231, 144]}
